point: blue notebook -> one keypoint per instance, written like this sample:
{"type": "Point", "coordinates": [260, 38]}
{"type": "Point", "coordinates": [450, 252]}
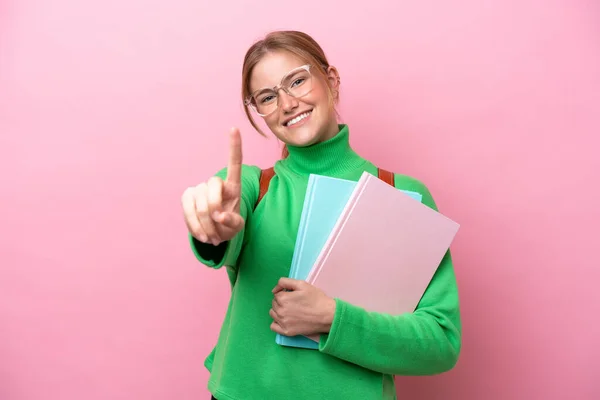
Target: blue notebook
{"type": "Point", "coordinates": [324, 202]}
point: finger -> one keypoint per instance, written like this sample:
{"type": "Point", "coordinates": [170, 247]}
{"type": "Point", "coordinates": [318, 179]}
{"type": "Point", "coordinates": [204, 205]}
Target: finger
{"type": "Point", "coordinates": [277, 299]}
{"type": "Point", "coordinates": [234, 169]}
{"type": "Point", "coordinates": [231, 220]}
{"type": "Point", "coordinates": [191, 218]}
{"type": "Point", "coordinates": [278, 288]}
{"type": "Point", "coordinates": [202, 212]}
{"type": "Point", "coordinates": [287, 284]}
{"type": "Point", "coordinates": [215, 196]}
{"type": "Point", "coordinates": [276, 328]}
{"type": "Point", "coordinates": [273, 314]}
{"type": "Point", "coordinates": [276, 305]}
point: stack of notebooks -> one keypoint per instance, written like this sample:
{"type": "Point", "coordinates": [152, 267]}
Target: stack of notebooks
{"type": "Point", "coordinates": [369, 244]}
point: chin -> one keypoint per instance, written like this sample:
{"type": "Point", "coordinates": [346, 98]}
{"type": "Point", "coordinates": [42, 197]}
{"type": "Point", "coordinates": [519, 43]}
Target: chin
{"type": "Point", "coordinates": [301, 137]}
{"type": "Point", "coordinates": [304, 134]}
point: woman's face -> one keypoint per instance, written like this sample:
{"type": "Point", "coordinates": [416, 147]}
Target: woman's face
{"type": "Point", "coordinates": [297, 121]}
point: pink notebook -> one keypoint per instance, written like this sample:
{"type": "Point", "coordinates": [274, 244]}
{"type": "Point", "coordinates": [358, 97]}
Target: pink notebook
{"type": "Point", "coordinates": [383, 250]}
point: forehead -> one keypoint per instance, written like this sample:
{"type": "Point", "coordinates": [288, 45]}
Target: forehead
{"type": "Point", "coordinates": [272, 67]}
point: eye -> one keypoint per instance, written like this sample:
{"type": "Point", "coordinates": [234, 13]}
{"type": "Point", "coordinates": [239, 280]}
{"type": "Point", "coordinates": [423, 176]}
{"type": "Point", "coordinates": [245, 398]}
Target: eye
{"type": "Point", "coordinates": [267, 99]}
{"type": "Point", "coordinates": [298, 82]}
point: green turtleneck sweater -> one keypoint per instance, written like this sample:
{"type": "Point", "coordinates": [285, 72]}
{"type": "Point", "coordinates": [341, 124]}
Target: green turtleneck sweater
{"type": "Point", "coordinates": [362, 352]}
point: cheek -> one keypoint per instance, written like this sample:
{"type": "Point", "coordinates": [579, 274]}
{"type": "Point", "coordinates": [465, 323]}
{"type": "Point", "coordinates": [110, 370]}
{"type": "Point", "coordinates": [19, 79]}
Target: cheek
{"type": "Point", "coordinates": [272, 121]}
{"type": "Point", "coordinates": [319, 96]}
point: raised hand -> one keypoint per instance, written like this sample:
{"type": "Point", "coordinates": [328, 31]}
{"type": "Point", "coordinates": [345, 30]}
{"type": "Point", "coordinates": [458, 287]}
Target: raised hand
{"type": "Point", "coordinates": [212, 209]}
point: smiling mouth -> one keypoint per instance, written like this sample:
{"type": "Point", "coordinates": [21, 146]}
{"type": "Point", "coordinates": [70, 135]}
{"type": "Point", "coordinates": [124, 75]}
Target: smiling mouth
{"type": "Point", "coordinates": [297, 119]}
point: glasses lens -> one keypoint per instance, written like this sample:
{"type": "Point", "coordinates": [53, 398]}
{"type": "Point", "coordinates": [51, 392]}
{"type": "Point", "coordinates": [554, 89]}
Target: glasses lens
{"type": "Point", "coordinates": [265, 101]}
{"type": "Point", "coordinates": [298, 83]}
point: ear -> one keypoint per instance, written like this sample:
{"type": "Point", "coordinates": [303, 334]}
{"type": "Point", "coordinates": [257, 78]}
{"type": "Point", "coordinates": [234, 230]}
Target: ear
{"type": "Point", "coordinates": [333, 78]}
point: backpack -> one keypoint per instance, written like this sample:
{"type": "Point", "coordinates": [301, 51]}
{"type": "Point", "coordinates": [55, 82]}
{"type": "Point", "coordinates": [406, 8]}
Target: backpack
{"type": "Point", "coordinates": [267, 174]}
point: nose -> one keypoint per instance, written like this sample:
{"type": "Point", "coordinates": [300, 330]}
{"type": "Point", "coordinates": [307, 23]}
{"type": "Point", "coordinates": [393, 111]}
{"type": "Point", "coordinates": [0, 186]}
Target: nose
{"type": "Point", "coordinates": [287, 102]}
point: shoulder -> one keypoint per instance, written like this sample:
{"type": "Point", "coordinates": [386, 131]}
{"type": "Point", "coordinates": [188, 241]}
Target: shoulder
{"type": "Point", "coordinates": [412, 184]}
{"type": "Point", "coordinates": [407, 182]}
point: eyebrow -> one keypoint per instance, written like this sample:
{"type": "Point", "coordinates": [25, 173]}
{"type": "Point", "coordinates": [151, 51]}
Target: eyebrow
{"type": "Point", "coordinates": [296, 70]}
{"type": "Point", "coordinates": [263, 90]}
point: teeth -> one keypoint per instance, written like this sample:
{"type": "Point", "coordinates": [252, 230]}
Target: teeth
{"type": "Point", "coordinates": [298, 119]}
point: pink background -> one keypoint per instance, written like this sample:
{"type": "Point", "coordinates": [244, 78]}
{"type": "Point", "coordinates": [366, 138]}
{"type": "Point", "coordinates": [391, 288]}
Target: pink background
{"type": "Point", "coordinates": [109, 109]}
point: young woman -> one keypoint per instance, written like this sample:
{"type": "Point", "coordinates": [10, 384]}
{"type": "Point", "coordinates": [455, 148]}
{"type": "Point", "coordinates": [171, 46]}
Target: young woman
{"type": "Point", "coordinates": [288, 81]}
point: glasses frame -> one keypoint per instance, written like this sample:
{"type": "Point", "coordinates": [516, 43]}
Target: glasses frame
{"type": "Point", "coordinates": [276, 89]}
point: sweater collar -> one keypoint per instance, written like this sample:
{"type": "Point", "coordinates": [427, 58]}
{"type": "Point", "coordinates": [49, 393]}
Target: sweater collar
{"type": "Point", "coordinates": [331, 157]}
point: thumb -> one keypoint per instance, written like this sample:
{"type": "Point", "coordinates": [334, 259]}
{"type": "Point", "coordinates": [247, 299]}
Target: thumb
{"type": "Point", "coordinates": [231, 220]}
{"type": "Point", "coordinates": [288, 284]}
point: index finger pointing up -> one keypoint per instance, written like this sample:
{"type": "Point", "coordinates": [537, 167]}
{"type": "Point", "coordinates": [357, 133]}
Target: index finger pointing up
{"type": "Point", "coordinates": [234, 169]}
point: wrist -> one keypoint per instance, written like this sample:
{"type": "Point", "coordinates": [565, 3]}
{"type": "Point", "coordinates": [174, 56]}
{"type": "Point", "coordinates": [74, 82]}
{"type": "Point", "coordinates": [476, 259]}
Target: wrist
{"type": "Point", "coordinates": [328, 314]}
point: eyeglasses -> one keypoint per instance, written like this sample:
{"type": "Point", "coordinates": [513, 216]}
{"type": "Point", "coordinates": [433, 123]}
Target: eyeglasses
{"type": "Point", "coordinates": [296, 83]}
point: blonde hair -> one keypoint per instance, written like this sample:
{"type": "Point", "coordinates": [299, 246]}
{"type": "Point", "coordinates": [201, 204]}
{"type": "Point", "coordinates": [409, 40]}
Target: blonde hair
{"type": "Point", "coordinates": [295, 42]}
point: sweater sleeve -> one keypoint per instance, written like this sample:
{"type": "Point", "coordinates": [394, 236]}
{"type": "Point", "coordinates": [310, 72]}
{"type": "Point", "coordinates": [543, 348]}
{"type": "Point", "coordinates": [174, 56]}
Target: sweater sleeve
{"type": "Point", "coordinates": [227, 253]}
{"type": "Point", "coordinates": [424, 342]}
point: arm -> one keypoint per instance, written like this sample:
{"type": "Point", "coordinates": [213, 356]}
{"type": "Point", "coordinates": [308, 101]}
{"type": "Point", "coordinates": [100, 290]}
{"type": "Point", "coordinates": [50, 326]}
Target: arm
{"type": "Point", "coordinates": [424, 342]}
{"type": "Point", "coordinates": [227, 253]}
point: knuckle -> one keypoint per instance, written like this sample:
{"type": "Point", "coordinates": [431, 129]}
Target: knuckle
{"type": "Point", "coordinates": [201, 207]}
{"type": "Point", "coordinates": [214, 180]}
{"type": "Point", "coordinates": [201, 203]}
{"type": "Point", "coordinates": [209, 232]}
{"type": "Point", "coordinates": [187, 194]}
{"type": "Point", "coordinates": [197, 233]}
{"type": "Point", "coordinates": [200, 188]}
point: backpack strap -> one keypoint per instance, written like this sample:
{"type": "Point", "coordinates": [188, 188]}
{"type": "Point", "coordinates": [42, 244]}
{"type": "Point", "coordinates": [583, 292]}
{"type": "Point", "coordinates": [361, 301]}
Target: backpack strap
{"type": "Point", "coordinates": [264, 180]}
{"type": "Point", "coordinates": [267, 174]}
{"type": "Point", "coordinates": [386, 176]}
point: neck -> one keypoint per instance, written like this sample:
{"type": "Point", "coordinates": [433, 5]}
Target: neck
{"type": "Point", "coordinates": [331, 157]}
{"type": "Point", "coordinates": [333, 129]}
